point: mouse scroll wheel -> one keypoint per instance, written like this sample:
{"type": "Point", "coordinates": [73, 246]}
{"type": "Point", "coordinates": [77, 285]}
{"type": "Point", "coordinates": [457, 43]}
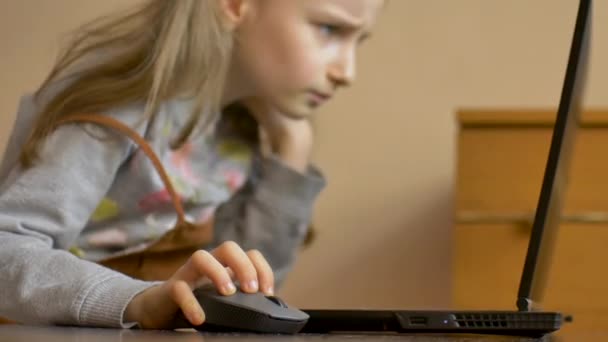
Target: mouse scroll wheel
{"type": "Point", "coordinates": [278, 301]}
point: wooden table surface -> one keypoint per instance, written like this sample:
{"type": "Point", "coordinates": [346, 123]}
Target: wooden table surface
{"type": "Point", "coordinates": [73, 334]}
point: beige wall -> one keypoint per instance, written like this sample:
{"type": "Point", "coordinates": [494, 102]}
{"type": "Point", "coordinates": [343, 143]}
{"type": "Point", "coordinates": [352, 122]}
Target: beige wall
{"type": "Point", "coordinates": [387, 145]}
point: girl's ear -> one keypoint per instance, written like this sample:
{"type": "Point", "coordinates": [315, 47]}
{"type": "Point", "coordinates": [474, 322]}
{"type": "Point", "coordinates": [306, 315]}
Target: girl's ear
{"type": "Point", "coordinates": [234, 12]}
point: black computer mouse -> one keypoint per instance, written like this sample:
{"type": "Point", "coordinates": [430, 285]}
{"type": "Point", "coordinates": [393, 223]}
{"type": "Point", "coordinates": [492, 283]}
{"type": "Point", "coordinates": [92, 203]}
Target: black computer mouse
{"type": "Point", "coordinates": [247, 312]}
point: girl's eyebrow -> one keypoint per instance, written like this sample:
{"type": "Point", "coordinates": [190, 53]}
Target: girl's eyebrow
{"type": "Point", "coordinates": [347, 20]}
{"type": "Point", "coordinates": [344, 16]}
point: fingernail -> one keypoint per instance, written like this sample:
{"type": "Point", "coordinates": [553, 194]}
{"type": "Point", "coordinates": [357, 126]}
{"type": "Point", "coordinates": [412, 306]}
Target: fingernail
{"type": "Point", "coordinates": [253, 285]}
{"type": "Point", "coordinates": [229, 288]}
{"type": "Point", "coordinates": [269, 291]}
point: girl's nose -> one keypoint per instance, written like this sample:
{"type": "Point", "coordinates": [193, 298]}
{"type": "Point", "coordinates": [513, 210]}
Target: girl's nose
{"type": "Point", "coordinates": [342, 71]}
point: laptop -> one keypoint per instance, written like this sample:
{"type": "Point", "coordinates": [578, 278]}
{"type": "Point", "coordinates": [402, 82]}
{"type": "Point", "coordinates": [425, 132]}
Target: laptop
{"type": "Point", "coordinates": [527, 319]}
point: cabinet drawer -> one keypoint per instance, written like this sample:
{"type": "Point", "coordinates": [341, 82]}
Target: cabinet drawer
{"type": "Point", "coordinates": [501, 163]}
{"type": "Point", "coordinates": [489, 259]}
{"type": "Point", "coordinates": [500, 170]}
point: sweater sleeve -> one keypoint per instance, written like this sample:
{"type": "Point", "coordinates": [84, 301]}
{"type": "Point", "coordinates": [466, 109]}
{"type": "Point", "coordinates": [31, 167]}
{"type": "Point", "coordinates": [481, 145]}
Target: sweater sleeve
{"type": "Point", "coordinates": [271, 213]}
{"type": "Point", "coordinates": [42, 211]}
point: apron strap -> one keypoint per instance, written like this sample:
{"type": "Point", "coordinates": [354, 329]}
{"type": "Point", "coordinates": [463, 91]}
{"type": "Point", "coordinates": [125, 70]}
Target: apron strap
{"type": "Point", "coordinates": [114, 124]}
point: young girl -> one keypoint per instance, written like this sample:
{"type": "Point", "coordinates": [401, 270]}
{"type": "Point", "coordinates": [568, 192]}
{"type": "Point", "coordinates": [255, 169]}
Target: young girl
{"type": "Point", "coordinates": [198, 79]}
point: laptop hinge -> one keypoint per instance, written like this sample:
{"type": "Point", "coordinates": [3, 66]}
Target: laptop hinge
{"type": "Point", "coordinates": [524, 304]}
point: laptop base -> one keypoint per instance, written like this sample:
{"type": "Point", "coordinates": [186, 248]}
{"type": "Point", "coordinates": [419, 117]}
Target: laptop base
{"type": "Point", "coordinates": [514, 323]}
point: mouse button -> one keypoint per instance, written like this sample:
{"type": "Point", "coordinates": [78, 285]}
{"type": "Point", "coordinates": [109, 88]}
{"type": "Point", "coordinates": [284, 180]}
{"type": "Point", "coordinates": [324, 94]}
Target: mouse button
{"type": "Point", "coordinates": [206, 290]}
{"type": "Point", "coordinates": [253, 301]}
{"type": "Point", "coordinates": [278, 301]}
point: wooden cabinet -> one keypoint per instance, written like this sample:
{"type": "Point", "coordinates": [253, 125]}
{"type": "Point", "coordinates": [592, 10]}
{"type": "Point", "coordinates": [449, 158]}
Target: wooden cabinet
{"type": "Point", "coordinates": [501, 162]}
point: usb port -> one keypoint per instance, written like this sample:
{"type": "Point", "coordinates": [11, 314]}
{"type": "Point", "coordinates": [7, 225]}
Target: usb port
{"type": "Point", "coordinates": [418, 320]}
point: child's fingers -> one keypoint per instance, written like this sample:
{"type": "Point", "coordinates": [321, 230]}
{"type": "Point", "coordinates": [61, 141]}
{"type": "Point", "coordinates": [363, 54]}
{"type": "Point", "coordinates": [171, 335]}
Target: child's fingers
{"type": "Point", "coordinates": [231, 255]}
{"type": "Point", "coordinates": [265, 274]}
{"type": "Point", "coordinates": [200, 265]}
{"type": "Point", "coordinates": [231, 273]}
{"type": "Point", "coordinates": [181, 293]}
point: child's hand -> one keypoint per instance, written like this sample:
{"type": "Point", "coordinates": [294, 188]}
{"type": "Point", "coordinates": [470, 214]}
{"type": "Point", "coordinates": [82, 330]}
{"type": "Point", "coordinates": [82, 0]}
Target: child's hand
{"type": "Point", "coordinates": [291, 138]}
{"type": "Point", "coordinates": [157, 307]}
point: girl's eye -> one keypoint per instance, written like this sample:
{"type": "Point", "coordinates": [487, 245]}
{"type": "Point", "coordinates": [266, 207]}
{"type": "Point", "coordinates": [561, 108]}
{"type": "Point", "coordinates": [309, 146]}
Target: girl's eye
{"type": "Point", "coordinates": [328, 30]}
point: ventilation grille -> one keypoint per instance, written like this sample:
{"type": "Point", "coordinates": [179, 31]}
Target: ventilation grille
{"type": "Point", "coordinates": [499, 321]}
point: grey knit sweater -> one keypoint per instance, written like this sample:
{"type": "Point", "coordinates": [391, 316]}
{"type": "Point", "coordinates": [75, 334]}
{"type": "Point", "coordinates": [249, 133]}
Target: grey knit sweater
{"type": "Point", "coordinates": [89, 197]}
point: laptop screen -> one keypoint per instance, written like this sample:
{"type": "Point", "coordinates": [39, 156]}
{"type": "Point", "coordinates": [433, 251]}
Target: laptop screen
{"type": "Point", "coordinates": [548, 212]}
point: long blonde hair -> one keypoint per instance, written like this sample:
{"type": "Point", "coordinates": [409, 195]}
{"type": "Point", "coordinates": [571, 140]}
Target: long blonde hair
{"type": "Point", "coordinates": [159, 49]}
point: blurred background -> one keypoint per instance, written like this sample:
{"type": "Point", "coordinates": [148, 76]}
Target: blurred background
{"type": "Point", "coordinates": [390, 145]}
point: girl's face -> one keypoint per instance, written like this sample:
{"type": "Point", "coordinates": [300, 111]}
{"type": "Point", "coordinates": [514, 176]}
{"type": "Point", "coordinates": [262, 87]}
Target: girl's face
{"type": "Point", "coordinates": [295, 54]}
